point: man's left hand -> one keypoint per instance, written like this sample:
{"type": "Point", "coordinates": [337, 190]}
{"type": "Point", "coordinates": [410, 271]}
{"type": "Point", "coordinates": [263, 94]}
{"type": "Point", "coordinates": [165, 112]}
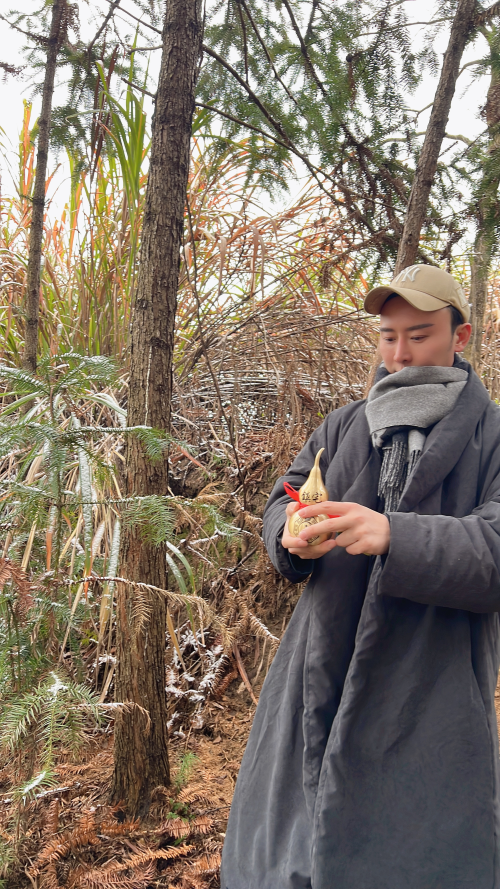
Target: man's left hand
{"type": "Point", "coordinates": [359, 529]}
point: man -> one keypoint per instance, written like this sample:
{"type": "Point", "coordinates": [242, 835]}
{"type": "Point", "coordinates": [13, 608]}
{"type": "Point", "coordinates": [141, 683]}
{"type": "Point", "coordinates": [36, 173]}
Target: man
{"type": "Point", "coordinates": [373, 758]}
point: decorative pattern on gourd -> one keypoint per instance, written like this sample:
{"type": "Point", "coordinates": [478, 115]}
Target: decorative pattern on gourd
{"type": "Point", "coordinates": [312, 491]}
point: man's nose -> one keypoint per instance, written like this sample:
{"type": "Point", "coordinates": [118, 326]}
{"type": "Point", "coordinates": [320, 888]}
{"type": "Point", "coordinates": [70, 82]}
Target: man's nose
{"type": "Point", "coordinates": [402, 354]}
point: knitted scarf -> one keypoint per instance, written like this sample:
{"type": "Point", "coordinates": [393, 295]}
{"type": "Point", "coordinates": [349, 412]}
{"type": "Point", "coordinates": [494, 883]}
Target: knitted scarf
{"type": "Point", "coordinates": [400, 410]}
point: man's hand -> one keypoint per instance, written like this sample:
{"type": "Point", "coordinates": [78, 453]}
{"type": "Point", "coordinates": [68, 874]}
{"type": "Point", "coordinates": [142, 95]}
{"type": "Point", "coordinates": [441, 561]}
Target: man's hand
{"type": "Point", "coordinates": [299, 547]}
{"type": "Point", "coordinates": [358, 529]}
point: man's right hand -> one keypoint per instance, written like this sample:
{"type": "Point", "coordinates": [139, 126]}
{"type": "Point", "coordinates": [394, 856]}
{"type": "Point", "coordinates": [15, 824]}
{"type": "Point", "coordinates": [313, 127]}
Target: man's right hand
{"type": "Point", "coordinates": [299, 547]}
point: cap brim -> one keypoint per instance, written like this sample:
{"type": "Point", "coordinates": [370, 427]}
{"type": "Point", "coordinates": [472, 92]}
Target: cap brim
{"type": "Point", "coordinates": [376, 298]}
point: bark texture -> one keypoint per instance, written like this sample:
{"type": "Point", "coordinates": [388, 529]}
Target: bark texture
{"type": "Point", "coordinates": [487, 206]}
{"type": "Point", "coordinates": [32, 302]}
{"type": "Point", "coordinates": [141, 747]}
{"type": "Point", "coordinates": [427, 162]}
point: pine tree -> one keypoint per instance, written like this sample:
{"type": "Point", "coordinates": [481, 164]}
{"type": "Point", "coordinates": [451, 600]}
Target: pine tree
{"type": "Point", "coordinates": [141, 758]}
{"type": "Point", "coordinates": [328, 84]}
{"type": "Point", "coordinates": [325, 83]}
{"type": "Point", "coordinates": [58, 32]}
{"type": "Point", "coordinates": [485, 161]}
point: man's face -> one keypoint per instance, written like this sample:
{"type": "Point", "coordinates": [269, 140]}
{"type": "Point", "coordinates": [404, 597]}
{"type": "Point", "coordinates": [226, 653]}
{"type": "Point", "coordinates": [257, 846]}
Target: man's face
{"type": "Point", "coordinates": [410, 337]}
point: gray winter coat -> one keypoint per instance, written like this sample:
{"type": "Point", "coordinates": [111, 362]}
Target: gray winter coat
{"type": "Point", "coordinates": [373, 758]}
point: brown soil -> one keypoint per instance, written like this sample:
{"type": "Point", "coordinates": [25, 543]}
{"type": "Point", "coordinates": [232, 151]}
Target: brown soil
{"type": "Point", "coordinates": [71, 837]}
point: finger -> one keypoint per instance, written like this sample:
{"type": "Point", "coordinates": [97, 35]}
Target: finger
{"type": "Point", "coordinates": [348, 537]}
{"type": "Point", "coordinates": [315, 552]}
{"type": "Point", "coordinates": [314, 530]}
{"type": "Point", "coordinates": [331, 507]}
{"type": "Point", "coordinates": [288, 542]}
{"type": "Point", "coordinates": [291, 508]}
{"type": "Point", "coordinates": [300, 553]}
{"type": "Point", "coordinates": [329, 526]}
{"type": "Point", "coordinates": [359, 548]}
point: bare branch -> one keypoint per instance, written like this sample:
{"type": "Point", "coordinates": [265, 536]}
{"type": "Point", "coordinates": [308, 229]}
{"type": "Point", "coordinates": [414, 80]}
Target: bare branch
{"type": "Point", "coordinates": [445, 18]}
{"type": "Point", "coordinates": [106, 19]}
{"type": "Point", "coordinates": [141, 22]}
{"type": "Point", "coordinates": [139, 88]}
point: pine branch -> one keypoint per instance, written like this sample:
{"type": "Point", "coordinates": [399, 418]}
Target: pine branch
{"type": "Point", "coordinates": [266, 51]}
{"type": "Point", "coordinates": [255, 99]}
{"type": "Point", "coordinates": [485, 15]}
{"type": "Point", "coordinates": [37, 38]}
{"type": "Point", "coordinates": [272, 121]}
{"type": "Point", "coordinates": [244, 124]}
{"type": "Point", "coordinates": [11, 69]}
{"type": "Point", "coordinates": [309, 65]}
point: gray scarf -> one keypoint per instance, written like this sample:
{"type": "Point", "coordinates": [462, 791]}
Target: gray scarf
{"type": "Point", "coordinates": [400, 409]}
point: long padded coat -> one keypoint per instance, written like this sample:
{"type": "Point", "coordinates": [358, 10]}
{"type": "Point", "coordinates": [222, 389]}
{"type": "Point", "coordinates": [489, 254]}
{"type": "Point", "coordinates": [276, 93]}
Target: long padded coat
{"type": "Point", "coordinates": [373, 758]}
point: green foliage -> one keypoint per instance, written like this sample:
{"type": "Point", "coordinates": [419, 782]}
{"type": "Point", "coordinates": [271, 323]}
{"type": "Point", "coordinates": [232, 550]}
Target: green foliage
{"type": "Point", "coordinates": [75, 121]}
{"type": "Point", "coordinates": [59, 508]}
{"type": "Point", "coordinates": [186, 767]}
{"type": "Point", "coordinates": [7, 858]}
{"type": "Point", "coordinates": [152, 516]}
{"type": "Point", "coordinates": [328, 84]}
{"type": "Point", "coordinates": [54, 714]}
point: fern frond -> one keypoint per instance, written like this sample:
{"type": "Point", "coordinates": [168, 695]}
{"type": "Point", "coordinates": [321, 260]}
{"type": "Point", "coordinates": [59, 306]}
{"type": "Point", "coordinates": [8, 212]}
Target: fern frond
{"type": "Point", "coordinates": [142, 607]}
{"type": "Point", "coordinates": [29, 790]}
{"type": "Point", "coordinates": [116, 828]}
{"type": "Point", "coordinates": [50, 879]}
{"type": "Point", "coordinates": [134, 872]}
{"type": "Point", "coordinates": [22, 382]}
{"type": "Point", "coordinates": [195, 794]}
{"type": "Point", "coordinates": [201, 826]}
{"type": "Point", "coordinates": [207, 864]}
{"type": "Point", "coordinates": [175, 828]}
{"type": "Point", "coordinates": [170, 854]}
{"type": "Point", "coordinates": [114, 875]}
{"type": "Point", "coordinates": [152, 516]}
{"type": "Point", "coordinates": [54, 712]}
{"type": "Point", "coordinates": [23, 587]}
{"type": "Point", "coordinates": [154, 441]}
{"type": "Point", "coordinates": [261, 630]}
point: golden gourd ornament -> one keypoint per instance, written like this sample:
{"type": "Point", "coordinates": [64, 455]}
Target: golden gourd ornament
{"type": "Point", "coordinates": [312, 491]}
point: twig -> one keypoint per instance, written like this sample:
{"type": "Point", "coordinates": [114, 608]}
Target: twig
{"type": "Point", "coordinates": [243, 673]}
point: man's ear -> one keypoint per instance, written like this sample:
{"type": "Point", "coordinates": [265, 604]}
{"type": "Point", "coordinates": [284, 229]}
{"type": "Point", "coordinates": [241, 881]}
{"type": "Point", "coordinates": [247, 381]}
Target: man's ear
{"type": "Point", "coordinates": [462, 336]}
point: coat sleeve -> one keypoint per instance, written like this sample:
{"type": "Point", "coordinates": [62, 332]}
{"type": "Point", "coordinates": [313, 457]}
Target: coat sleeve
{"type": "Point", "coordinates": [442, 560]}
{"type": "Point", "coordinates": [325, 436]}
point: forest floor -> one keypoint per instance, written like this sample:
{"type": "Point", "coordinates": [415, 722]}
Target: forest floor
{"type": "Point", "coordinates": [71, 837]}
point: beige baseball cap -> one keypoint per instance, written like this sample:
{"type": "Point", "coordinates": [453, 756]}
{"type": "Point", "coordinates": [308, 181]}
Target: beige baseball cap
{"type": "Point", "coordinates": [424, 287]}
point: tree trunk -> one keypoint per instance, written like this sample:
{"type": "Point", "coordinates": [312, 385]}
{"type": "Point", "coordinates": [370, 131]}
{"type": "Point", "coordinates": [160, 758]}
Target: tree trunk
{"type": "Point", "coordinates": [428, 160]}
{"type": "Point", "coordinates": [141, 756]}
{"type": "Point", "coordinates": [32, 301]}
{"type": "Point", "coordinates": [487, 206]}
{"type": "Point", "coordinates": [480, 266]}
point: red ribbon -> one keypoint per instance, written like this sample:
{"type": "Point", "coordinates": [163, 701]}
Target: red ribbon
{"type": "Point", "coordinates": [291, 492]}
{"type": "Point", "coordinates": [295, 496]}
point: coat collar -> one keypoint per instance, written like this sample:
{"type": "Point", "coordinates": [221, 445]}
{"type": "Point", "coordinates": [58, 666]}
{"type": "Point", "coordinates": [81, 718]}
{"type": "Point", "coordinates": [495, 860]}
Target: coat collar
{"type": "Point", "coordinates": [446, 442]}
